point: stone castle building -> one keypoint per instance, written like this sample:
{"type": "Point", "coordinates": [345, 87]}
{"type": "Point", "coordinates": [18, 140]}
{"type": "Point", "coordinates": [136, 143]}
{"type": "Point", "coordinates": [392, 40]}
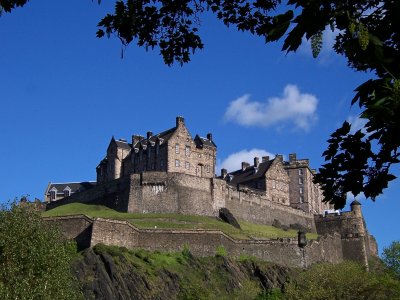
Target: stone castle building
{"type": "Point", "coordinates": [176, 151]}
{"type": "Point", "coordinates": [172, 172]}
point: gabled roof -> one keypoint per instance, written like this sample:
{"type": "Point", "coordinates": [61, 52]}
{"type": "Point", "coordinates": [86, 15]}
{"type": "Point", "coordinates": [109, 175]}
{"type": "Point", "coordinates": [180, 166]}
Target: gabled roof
{"type": "Point", "coordinates": [164, 136]}
{"type": "Point", "coordinates": [250, 173]}
{"type": "Point", "coordinates": [74, 186]}
{"type": "Point", "coordinates": [201, 141]}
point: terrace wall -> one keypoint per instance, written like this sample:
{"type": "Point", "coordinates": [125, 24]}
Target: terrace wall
{"type": "Point", "coordinates": [201, 242]}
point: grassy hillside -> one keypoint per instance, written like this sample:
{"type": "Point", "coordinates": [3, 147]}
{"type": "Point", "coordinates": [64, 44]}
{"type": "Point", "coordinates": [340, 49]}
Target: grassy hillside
{"type": "Point", "coordinates": [165, 221]}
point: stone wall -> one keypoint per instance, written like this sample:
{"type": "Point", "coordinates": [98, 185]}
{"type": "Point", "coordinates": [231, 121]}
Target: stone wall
{"type": "Point", "coordinates": [256, 208]}
{"type": "Point", "coordinates": [78, 228]}
{"type": "Point", "coordinates": [202, 242]}
{"type": "Point", "coordinates": [114, 194]}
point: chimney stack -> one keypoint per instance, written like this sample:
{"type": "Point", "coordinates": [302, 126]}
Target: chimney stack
{"type": "Point", "coordinates": [292, 157]}
{"type": "Point", "coordinates": [245, 165]}
{"type": "Point", "coordinates": [179, 120]}
{"type": "Point", "coordinates": [265, 158]}
{"type": "Point", "coordinates": [209, 137]}
{"type": "Point", "coordinates": [224, 172]}
{"type": "Point", "coordinates": [256, 162]}
{"type": "Point", "coordinates": [149, 134]}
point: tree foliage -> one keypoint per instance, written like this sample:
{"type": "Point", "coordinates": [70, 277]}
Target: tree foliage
{"type": "Point", "coordinates": [347, 280]}
{"type": "Point", "coordinates": [34, 258]}
{"type": "Point", "coordinates": [367, 35]}
{"type": "Point", "coordinates": [391, 257]}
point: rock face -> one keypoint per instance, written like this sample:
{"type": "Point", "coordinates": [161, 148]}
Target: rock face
{"type": "Point", "coordinates": [117, 273]}
{"type": "Point", "coordinates": [227, 216]}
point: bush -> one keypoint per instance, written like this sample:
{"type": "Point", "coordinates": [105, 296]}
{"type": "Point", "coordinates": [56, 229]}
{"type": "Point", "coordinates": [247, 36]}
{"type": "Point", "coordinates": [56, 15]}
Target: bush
{"type": "Point", "coordinates": [221, 251]}
{"type": "Point", "coordinates": [347, 280]}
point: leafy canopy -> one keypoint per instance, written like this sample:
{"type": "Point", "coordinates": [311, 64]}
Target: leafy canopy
{"type": "Point", "coordinates": [367, 35]}
{"type": "Point", "coordinates": [34, 258]}
{"type": "Point", "coordinates": [391, 257]}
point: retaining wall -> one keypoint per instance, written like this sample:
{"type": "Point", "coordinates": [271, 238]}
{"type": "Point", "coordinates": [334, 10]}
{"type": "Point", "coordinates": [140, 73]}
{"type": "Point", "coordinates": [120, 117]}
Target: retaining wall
{"type": "Point", "coordinates": [200, 242]}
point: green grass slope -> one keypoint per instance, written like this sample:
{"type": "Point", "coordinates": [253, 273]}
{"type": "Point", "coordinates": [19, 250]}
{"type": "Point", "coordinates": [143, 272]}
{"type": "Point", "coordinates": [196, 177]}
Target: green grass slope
{"type": "Point", "coordinates": [177, 221]}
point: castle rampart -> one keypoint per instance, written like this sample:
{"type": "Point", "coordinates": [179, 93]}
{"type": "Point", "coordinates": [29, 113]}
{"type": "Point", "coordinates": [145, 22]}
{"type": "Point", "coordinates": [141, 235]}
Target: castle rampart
{"type": "Point", "coordinates": [200, 242]}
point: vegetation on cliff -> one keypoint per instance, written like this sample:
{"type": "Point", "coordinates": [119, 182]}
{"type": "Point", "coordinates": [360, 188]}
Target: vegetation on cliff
{"type": "Point", "coordinates": [178, 221]}
{"type": "Point", "coordinates": [109, 272]}
{"type": "Point", "coordinates": [35, 260]}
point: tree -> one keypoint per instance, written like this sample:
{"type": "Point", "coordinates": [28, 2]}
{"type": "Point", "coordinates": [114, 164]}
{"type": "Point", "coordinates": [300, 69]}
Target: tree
{"type": "Point", "coordinates": [368, 36]}
{"type": "Point", "coordinates": [346, 280]}
{"type": "Point", "coordinates": [34, 257]}
{"type": "Point", "coordinates": [391, 257]}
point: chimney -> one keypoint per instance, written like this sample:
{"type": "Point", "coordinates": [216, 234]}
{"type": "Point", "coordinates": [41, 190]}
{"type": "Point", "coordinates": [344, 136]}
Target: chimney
{"type": "Point", "coordinates": [265, 158]}
{"type": "Point", "coordinates": [179, 120]}
{"type": "Point", "coordinates": [292, 157]}
{"type": "Point", "coordinates": [245, 165]}
{"type": "Point", "coordinates": [224, 172]}
{"type": "Point", "coordinates": [149, 134]}
{"type": "Point", "coordinates": [209, 137]}
{"type": "Point", "coordinates": [279, 157]}
{"type": "Point", "coordinates": [256, 162]}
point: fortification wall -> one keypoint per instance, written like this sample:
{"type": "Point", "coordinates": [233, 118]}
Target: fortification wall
{"type": "Point", "coordinates": [114, 194]}
{"type": "Point", "coordinates": [200, 242]}
{"type": "Point", "coordinates": [161, 192]}
{"type": "Point", "coordinates": [257, 208]}
{"type": "Point", "coordinates": [78, 228]}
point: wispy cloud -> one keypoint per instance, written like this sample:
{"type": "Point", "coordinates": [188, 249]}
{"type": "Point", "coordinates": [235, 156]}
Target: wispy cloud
{"type": "Point", "coordinates": [357, 123]}
{"type": "Point", "coordinates": [233, 161]}
{"type": "Point", "coordinates": [293, 107]}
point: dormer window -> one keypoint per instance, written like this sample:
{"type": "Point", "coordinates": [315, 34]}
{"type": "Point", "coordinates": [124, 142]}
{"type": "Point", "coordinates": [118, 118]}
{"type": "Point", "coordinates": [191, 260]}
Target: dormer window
{"type": "Point", "coordinates": [53, 194]}
{"type": "Point", "coordinates": [67, 191]}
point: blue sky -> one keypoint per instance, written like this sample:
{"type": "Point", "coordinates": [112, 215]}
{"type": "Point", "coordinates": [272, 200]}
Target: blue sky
{"type": "Point", "coordinates": [64, 94]}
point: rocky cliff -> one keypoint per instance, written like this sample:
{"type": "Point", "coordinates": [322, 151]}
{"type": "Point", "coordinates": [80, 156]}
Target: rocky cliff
{"type": "Point", "coordinates": [118, 273]}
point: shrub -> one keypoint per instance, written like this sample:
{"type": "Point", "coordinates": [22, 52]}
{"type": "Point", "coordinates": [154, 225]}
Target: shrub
{"type": "Point", "coordinates": [221, 251]}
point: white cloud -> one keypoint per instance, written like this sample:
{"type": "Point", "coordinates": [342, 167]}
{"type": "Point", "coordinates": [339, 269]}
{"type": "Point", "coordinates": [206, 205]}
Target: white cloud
{"type": "Point", "coordinates": [293, 107]}
{"type": "Point", "coordinates": [233, 162]}
{"type": "Point", "coordinates": [357, 123]}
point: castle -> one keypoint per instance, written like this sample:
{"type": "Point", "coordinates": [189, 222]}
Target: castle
{"type": "Point", "coordinates": [172, 172]}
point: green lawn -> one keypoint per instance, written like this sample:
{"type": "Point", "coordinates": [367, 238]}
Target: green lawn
{"type": "Point", "coordinates": [178, 221]}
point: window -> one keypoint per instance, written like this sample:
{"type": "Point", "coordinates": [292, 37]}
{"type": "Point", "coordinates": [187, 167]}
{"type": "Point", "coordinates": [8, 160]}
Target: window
{"type": "Point", "coordinates": [161, 163]}
{"type": "Point", "coordinates": [208, 168]}
{"type": "Point", "coordinates": [300, 172]}
{"type": "Point", "coordinates": [153, 166]}
{"type": "Point", "coordinates": [177, 148]}
{"type": "Point", "coordinates": [300, 180]}
{"type": "Point", "coordinates": [67, 192]}
{"type": "Point", "coordinates": [52, 195]}
{"type": "Point", "coordinates": [301, 190]}
{"type": "Point", "coordinates": [187, 150]}
{"type": "Point", "coordinates": [187, 165]}
{"type": "Point", "coordinates": [176, 162]}
{"type": "Point", "coordinates": [301, 199]}
{"type": "Point", "coordinates": [157, 149]}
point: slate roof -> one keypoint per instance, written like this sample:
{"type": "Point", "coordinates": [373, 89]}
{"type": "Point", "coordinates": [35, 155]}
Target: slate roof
{"type": "Point", "coordinates": [122, 144]}
{"type": "Point", "coordinates": [201, 141]}
{"type": "Point", "coordinates": [74, 186]}
{"type": "Point", "coordinates": [250, 173]}
{"type": "Point", "coordinates": [165, 135]}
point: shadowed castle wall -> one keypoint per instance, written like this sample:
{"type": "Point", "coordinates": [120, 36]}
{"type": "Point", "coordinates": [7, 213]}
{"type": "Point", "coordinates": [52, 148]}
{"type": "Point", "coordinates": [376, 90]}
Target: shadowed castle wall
{"type": "Point", "coordinates": [283, 251]}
